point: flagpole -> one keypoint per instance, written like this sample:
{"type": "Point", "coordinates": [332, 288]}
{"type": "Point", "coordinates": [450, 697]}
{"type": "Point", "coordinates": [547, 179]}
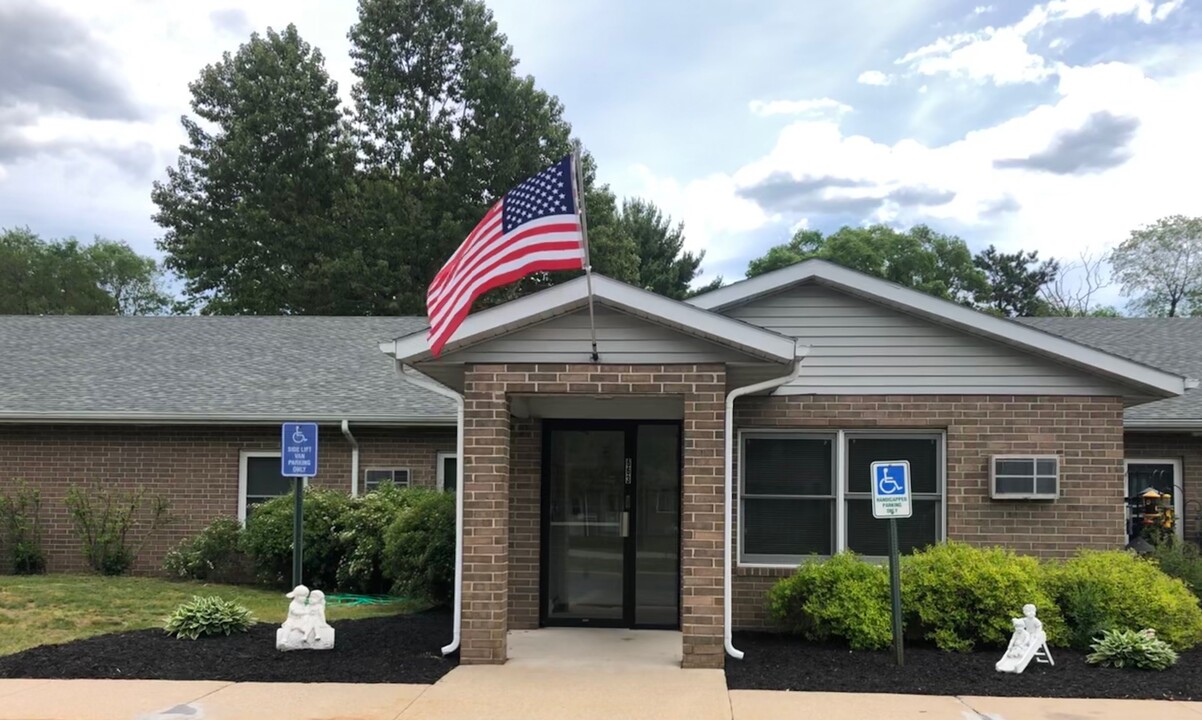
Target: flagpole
{"type": "Point", "coordinates": [588, 268]}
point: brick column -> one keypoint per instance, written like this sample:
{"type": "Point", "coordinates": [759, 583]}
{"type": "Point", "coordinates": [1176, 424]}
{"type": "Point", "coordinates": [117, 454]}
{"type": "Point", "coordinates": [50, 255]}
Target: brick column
{"type": "Point", "coordinates": [702, 517]}
{"type": "Point", "coordinates": [485, 518]}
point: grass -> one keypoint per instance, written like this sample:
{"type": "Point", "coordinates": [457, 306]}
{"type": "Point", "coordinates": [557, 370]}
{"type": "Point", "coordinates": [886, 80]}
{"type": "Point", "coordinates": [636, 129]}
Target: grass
{"type": "Point", "coordinates": [47, 609]}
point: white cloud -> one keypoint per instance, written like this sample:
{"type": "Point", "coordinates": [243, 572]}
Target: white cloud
{"type": "Point", "coordinates": [816, 107]}
{"type": "Point", "coordinates": [1016, 207]}
{"type": "Point", "coordinates": [1001, 55]}
{"type": "Point", "coordinates": [982, 9]}
{"type": "Point", "coordinates": [874, 77]}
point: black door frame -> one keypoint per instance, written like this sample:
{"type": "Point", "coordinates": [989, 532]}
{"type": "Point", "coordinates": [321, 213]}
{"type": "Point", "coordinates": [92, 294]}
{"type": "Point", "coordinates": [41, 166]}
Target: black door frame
{"type": "Point", "coordinates": [630, 427]}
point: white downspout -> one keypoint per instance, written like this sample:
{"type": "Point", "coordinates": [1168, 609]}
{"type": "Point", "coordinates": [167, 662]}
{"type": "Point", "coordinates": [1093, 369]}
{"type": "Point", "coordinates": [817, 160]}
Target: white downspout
{"type": "Point", "coordinates": [799, 353]}
{"type": "Point", "coordinates": [432, 385]}
{"type": "Point", "coordinates": [346, 433]}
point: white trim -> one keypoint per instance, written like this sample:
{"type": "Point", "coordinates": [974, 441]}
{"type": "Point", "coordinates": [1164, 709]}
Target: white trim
{"type": "Point", "coordinates": [1031, 340]}
{"type": "Point", "coordinates": [841, 436]}
{"type": "Point", "coordinates": [242, 456]}
{"type": "Point", "coordinates": [135, 418]}
{"type": "Point", "coordinates": [440, 459]}
{"type": "Point", "coordinates": [1178, 490]}
{"type": "Point", "coordinates": [573, 295]}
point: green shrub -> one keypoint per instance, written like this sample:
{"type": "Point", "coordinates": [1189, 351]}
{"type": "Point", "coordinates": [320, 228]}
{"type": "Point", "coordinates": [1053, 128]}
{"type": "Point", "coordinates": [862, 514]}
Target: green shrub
{"type": "Point", "coordinates": [267, 538]}
{"type": "Point", "coordinates": [1118, 590]}
{"type": "Point", "coordinates": [961, 596]}
{"type": "Point", "coordinates": [361, 568]}
{"type": "Point", "coordinates": [1182, 560]}
{"type": "Point", "coordinates": [843, 597]}
{"type": "Point", "coordinates": [208, 616]}
{"type": "Point", "coordinates": [1141, 650]}
{"type": "Point", "coordinates": [213, 555]}
{"type": "Point", "coordinates": [21, 530]}
{"type": "Point", "coordinates": [419, 547]}
{"type": "Point", "coordinates": [112, 525]}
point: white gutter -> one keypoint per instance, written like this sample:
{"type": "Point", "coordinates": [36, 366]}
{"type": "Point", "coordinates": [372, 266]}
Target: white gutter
{"type": "Point", "coordinates": [432, 385]}
{"type": "Point", "coordinates": [346, 432]}
{"type": "Point", "coordinates": [799, 353]}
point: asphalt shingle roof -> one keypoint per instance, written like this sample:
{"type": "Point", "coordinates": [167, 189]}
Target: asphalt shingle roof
{"type": "Point", "coordinates": [1171, 344]}
{"type": "Point", "coordinates": [266, 368]}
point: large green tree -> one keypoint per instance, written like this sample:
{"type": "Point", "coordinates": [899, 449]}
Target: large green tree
{"type": "Point", "coordinates": [66, 277]}
{"type": "Point", "coordinates": [255, 210]}
{"type": "Point", "coordinates": [1160, 266]}
{"type": "Point", "coordinates": [664, 265]}
{"type": "Point", "coordinates": [920, 258]}
{"type": "Point", "coordinates": [1015, 282]}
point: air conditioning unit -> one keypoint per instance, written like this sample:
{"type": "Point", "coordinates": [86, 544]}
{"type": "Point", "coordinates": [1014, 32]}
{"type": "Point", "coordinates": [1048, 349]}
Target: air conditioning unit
{"type": "Point", "coordinates": [1024, 477]}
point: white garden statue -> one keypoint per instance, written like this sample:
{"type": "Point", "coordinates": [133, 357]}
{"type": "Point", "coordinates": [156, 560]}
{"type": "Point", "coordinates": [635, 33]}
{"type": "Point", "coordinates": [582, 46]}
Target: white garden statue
{"type": "Point", "coordinates": [1028, 642]}
{"type": "Point", "coordinates": [305, 628]}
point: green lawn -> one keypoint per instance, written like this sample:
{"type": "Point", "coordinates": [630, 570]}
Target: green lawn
{"type": "Point", "coordinates": [46, 609]}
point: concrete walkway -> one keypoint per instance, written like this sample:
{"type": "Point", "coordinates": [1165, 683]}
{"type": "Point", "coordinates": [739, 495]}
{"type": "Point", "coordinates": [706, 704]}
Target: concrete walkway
{"type": "Point", "coordinates": [498, 693]}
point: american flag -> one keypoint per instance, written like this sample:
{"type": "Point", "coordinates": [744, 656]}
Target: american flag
{"type": "Point", "coordinates": [533, 227]}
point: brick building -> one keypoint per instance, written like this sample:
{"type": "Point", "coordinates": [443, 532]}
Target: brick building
{"type": "Point", "coordinates": [708, 448]}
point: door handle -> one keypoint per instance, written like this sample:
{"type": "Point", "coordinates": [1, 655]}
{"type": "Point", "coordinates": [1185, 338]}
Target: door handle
{"type": "Point", "coordinates": [625, 523]}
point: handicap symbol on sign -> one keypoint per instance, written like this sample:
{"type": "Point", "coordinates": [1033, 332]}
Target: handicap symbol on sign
{"type": "Point", "coordinates": [888, 485]}
{"type": "Point", "coordinates": [298, 437]}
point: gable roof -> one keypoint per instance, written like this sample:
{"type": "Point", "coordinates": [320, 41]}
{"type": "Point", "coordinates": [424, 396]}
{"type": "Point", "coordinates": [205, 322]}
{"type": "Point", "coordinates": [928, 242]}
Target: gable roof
{"type": "Point", "coordinates": [208, 369]}
{"type": "Point", "coordinates": [1154, 382]}
{"type": "Point", "coordinates": [573, 295]}
{"type": "Point", "coordinates": [1171, 344]}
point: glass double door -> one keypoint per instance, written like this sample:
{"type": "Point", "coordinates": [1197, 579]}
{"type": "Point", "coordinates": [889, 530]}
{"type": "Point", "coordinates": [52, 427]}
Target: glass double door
{"type": "Point", "coordinates": [611, 524]}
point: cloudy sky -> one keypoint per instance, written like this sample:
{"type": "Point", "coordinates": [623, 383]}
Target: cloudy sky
{"type": "Point", "coordinates": [1057, 126]}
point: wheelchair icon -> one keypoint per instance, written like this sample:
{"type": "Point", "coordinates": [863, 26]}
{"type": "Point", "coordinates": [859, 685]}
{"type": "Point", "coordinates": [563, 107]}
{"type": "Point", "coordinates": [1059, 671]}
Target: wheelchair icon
{"type": "Point", "coordinates": [887, 485]}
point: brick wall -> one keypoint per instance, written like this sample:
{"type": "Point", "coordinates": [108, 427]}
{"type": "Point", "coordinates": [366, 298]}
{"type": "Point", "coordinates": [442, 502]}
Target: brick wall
{"type": "Point", "coordinates": [195, 467]}
{"type": "Point", "coordinates": [1187, 449]}
{"type": "Point", "coordinates": [500, 477]}
{"type": "Point", "coordinates": [525, 540]}
{"type": "Point", "coordinates": [1086, 432]}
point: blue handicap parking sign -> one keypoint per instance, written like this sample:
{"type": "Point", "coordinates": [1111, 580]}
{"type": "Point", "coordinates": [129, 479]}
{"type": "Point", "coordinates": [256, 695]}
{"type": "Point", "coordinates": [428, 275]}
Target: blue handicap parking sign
{"type": "Point", "coordinates": [891, 489]}
{"type": "Point", "coordinates": [298, 449]}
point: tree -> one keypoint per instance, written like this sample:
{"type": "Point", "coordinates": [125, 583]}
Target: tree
{"type": "Point", "coordinates": [1014, 282]}
{"type": "Point", "coordinates": [255, 210]}
{"type": "Point", "coordinates": [920, 258]}
{"type": "Point", "coordinates": [63, 277]}
{"type": "Point", "coordinates": [664, 266]}
{"type": "Point", "coordinates": [1160, 266]}
{"type": "Point", "coordinates": [1073, 291]}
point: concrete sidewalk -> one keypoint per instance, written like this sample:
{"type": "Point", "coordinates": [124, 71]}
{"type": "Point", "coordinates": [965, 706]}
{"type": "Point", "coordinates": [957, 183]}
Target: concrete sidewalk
{"type": "Point", "coordinates": [498, 693]}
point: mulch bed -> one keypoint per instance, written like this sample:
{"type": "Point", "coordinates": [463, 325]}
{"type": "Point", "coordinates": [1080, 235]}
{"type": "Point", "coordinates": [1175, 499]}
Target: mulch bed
{"type": "Point", "coordinates": [780, 662]}
{"type": "Point", "coordinates": [398, 649]}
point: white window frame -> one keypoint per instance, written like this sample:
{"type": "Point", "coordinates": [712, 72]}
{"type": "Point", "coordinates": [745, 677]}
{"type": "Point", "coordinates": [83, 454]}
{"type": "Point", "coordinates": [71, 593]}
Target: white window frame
{"type": "Point", "coordinates": [440, 464]}
{"type": "Point", "coordinates": [391, 469]}
{"type": "Point", "coordinates": [834, 497]}
{"type": "Point", "coordinates": [1034, 494]}
{"type": "Point", "coordinates": [1178, 490]}
{"type": "Point", "coordinates": [840, 469]}
{"type": "Point", "coordinates": [242, 456]}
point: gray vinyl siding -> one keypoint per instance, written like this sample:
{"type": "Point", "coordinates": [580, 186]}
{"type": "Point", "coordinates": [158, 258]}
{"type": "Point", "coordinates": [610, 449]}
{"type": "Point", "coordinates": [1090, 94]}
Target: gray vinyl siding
{"type": "Point", "coordinates": [621, 339]}
{"type": "Point", "coordinates": [860, 347]}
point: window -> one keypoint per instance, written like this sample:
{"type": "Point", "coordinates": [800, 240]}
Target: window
{"type": "Point", "coordinates": [807, 493]}
{"type": "Point", "coordinates": [448, 471]}
{"type": "Point", "coordinates": [1024, 477]}
{"type": "Point", "coordinates": [372, 477]}
{"type": "Point", "coordinates": [260, 480]}
{"type": "Point", "coordinates": [1161, 474]}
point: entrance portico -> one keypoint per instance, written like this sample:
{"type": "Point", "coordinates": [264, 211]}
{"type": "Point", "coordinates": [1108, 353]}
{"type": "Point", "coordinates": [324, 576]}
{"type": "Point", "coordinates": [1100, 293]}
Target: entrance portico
{"type": "Point", "coordinates": [592, 493]}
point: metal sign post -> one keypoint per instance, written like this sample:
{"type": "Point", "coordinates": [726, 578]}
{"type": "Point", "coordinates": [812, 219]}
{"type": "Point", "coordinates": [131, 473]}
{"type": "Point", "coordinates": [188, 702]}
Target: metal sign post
{"type": "Point", "coordinates": [298, 459]}
{"type": "Point", "coordinates": [891, 500]}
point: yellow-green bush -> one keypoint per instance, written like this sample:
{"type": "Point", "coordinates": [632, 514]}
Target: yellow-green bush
{"type": "Point", "coordinates": [962, 596]}
{"type": "Point", "coordinates": [1118, 590]}
{"type": "Point", "coordinates": [843, 597]}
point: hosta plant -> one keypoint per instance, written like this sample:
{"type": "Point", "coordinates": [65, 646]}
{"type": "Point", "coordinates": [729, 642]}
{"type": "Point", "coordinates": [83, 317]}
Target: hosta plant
{"type": "Point", "coordinates": [1141, 650]}
{"type": "Point", "coordinates": [208, 616]}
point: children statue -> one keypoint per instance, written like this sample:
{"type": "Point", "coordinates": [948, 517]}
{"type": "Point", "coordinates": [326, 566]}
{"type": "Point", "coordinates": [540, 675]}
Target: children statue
{"type": "Point", "coordinates": [1028, 642]}
{"type": "Point", "coordinates": [305, 628]}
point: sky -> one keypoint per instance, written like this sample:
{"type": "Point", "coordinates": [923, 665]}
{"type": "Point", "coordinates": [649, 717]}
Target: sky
{"type": "Point", "coordinates": [1056, 126]}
